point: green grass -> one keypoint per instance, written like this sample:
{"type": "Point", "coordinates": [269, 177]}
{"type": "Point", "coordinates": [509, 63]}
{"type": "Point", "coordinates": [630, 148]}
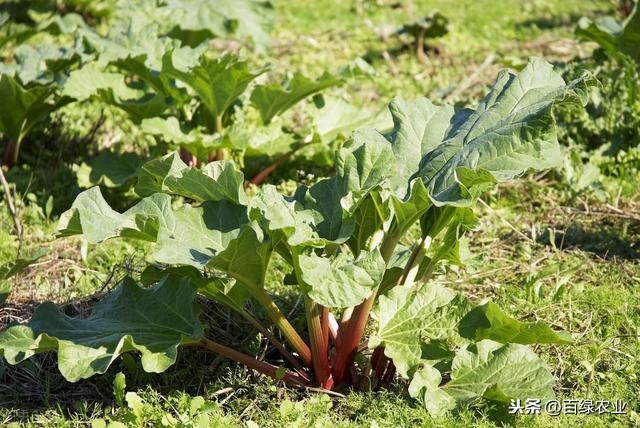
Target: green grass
{"type": "Point", "coordinates": [580, 272]}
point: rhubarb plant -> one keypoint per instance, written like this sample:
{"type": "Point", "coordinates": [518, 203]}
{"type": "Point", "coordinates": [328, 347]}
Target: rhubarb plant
{"type": "Point", "coordinates": [184, 98]}
{"type": "Point", "coordinates": [351, 247]}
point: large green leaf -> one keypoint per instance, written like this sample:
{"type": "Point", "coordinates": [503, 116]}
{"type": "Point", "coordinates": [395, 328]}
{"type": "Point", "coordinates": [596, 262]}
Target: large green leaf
{"type": "Point", "coordinates": [27, 106]}
{"type": "Point", "coordinates": [369, 218]}
{"type": "Point", "coordinates": [408, 318]}
{"type": "Point", "coordinates": [216, 181]}
{"type": "Point", "coordinates": [224, 290]}
{"type": "Point", "coordinates": [486, 370]}
{"type": "Point", "coordinates": [313, 217]}
{"type": "Point", "coordinates": [323, 202]}
{"type": "Point", "coordinates": [130, 38]}
{"type": "Point", "coordinates": [246, 258]}
{"type": "Point", "coordinates": [108, 169]}
{"type": "Point", "coordinates": [42, 63]}
{"type": "Point", "coordinates": [12, 268]}
{"type": "Point", "coordinates": [511, 132]}
{"type": "Point", "coordinates": [199, 234]}
{"type": "Point", "coordinates": [457, 153]}
{"type": "Point", "coordinates": [274, 99]}
{"type": "Point", "coordinates": [217, 82]}
{"type": "Point", "coordinates": [340, 282]}
{"type": "Point", "coordinates": [91, 81]}
{"type": "Point", "coordinates": [338, 118]}
{"type": "Point", "coordinates": [92, 217]}
{"type": "Point", "coordinates": [153, 322]}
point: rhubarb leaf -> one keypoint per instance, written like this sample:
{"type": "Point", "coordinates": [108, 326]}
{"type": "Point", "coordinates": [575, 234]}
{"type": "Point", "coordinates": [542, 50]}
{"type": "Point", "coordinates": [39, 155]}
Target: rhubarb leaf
{"type": "Point", "coordinates": [511, 132]}
{"type": "Point", "coordinates": [108, 169]}
{"type": "Point", "coordinates": [485, 370]}
{"type": "Point", "coordinates": [92, 217]}
{"type": "Point", "coordinates": [245, 258]}
{"type": "Point", "coordinates": [217, 82]}
{"type": "Point", "coordinates": [89, 80]}
{"type": "Point", "coordinates": [244, 19]}
{"type": "Point", "coordinates": [198, 234]}
{"type": "Point", "coordinates": [224, 290]}
{"type": "Point", "coordinates": [407, 318]}
{"type": "Point", "coordinates": [216, 181]}
{"type": "Point", "coordinates": [340, 282]}
{"type": "Point", "coordinates": [152, 321]}
{"type": "Point", "coordinates": [170, 130]}
{"type": "Point", "coordinates": [338, 118]}
{"type": "Point", "coordinates": [274, 99]}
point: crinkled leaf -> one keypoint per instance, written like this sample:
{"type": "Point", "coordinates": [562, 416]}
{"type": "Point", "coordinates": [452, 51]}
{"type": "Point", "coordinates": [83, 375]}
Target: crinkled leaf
{"type": "Point", "coordinates": [7, 270]}
{"type": "Point", "coordinates": [363, 164]}
{"type": "Point", "coordinates": [322, 201]}
{"type": "Point", "coordinates": [407, 318]}
{"type": "Point", "coordinates": [511, 132]}
{"type": "Point", "coordinates": [108, 169]}
{"type": "Point", "coordinates": [313, 217]}
{"type": "Point", "coordinates": [216, 181]}
{"type": "Point", "coordinates": [153, 322]}
{"type": "Point", "coordinates": [130, 38]}
{"type": "Point", "coordinates": [274, 99]}
{"type": "Point", "coordinates": [170, 131]}
{"type": "Point", "coordinates": [279, 214]}
{"type": "Point", "coordinates": [425, 386]}
{"type": "Point", "coordinates": [257, 139]}
{"type": "Point", "coordinates": [487, 321]}
{"type": "Point", "coordinates": [486, 370]}
{"type": "Point", "coordinates": [40, 63]}
{"type": "Point", "coordinates": [338, 282]}
{"type": "Point", "coordinates": [217, 82]}
{"type": "Point", "coordinates": [369, 217]}
{"type": "Point", "coordinates": [91, 81]}
{"type": "Point", "coordinates": [457, 153]}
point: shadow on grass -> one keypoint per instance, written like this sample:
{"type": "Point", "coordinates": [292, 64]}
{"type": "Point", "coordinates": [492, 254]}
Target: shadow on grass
{"type": "Point", "coordinates": [549, 22]}
{"type": "Point", "coordinates": [605, 241]}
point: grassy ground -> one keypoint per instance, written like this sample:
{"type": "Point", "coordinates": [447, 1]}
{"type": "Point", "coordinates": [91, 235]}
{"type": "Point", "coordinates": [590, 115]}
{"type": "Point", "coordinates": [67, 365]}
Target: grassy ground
{"type": "Point", "coordinates": [540, 252]}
